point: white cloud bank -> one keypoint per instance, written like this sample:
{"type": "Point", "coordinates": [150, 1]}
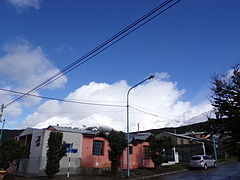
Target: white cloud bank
{"type": "Point", "coordinates": [36, 4]}
{"type": "Point", "coordinates": [21, 68]}
{"type": "Point", "coordinates": [159, 97]}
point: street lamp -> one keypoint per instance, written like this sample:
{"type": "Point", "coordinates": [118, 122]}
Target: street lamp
{"type": "Point", "coordinates": [128, 155]}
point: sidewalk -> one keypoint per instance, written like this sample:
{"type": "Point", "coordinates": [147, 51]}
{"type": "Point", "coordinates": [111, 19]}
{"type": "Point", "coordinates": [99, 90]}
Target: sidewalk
{"type": "Point", "coordinates": [160, 174]}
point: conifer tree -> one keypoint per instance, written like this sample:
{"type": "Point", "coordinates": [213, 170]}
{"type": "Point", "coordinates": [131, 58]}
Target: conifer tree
{"type": "Point", "coordinates": [157, 148]}
{"type": "Point", "coordinates": [56, 151]}
{"type": "Point", "coordinates": [10, 150]}
{"type": "Point", "coordinates": [226, 102]}
{"type": "Point", "coordinates": [117, 144]}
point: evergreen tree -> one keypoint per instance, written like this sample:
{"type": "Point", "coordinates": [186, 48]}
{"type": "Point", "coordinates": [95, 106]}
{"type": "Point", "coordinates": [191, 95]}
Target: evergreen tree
{"type": "Point", "coordinates": [117, 144]}
{"type": "Point", "coordinates": [56, 151]}
{"type": "Point", "coordinates": [10, 150]}
{"type": "Point", "coordinates": [157, 148]}
{"type": "Point", "coordinates": [226, 102]}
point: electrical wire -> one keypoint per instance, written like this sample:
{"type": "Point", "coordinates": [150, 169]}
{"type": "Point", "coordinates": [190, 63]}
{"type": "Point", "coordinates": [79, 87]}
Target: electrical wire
{"type": "Point", "coordinates": [85, 100]}
{"type": "Point", "coordinates": [85, 103]}
{"type": "Point", "coordinates": [103, 46]}
{"type": "Point", "coordinates": [155, 112]}
{"type": "Point", "coordinates": [63, 112]}
{"type": "Point", "coordinates": [64, 100]}
{"type": "Point", "coordinates": [142, 111]}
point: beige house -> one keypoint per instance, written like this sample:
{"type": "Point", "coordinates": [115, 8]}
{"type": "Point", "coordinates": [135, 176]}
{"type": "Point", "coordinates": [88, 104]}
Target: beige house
{"type": "Point", "coordinates": [184, 146]}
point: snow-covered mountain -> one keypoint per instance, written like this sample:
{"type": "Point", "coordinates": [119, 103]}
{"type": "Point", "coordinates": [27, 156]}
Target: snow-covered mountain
{"type": "Point", "coordinates": [187, 118]}
{"type": "Point", "coordinates": [200, 118]}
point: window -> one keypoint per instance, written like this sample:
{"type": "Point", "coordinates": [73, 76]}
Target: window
{"type": "Point", "coordinates": [97, 147]}
{"type": "Point", "coordinates": [206, 157]}
{"type": "Point", "coordinates": [37, 140]}
{"type": "Point", "coordinates": [196, 158]}
{"type": "Point", "coordinates": [130, 150]}
{"type": "Point", "coordinates": [29, 140]}
{"type": "Point", "coordinates": [146, 152]}
{"type": "Point", "coordinates": [181, 141]}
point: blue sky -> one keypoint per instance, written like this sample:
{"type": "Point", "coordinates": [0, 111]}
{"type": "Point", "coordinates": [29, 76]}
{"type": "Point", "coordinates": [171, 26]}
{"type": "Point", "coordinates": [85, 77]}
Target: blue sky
{"type": "Point", "coordinates": [189, 42]}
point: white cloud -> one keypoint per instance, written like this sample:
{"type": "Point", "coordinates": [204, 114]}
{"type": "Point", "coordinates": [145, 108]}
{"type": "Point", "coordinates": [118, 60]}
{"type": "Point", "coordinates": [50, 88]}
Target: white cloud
{"type": "Point", "coordinates": [23, 67]}
{"type": "Point", "coordinates": [13, 111]}
{"type": "Point", "coordinates": [160, 97]}
{"type": "Point", "coordinates": [36, 4]}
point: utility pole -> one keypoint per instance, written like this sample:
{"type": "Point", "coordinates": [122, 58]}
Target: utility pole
{"type": "Point", "coordinates": [2, 130]}
{"type": "Point", "coordinates": [214, 146]}
{"type": "Point", "coordinates": [1, 114]}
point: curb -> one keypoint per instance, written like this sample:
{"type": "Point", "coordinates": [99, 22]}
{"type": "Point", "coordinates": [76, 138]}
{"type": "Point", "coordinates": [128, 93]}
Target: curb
{"type": "Point", "coordinates": [162, 174]}
{"type": "Point", "coordinates": [227, 162]}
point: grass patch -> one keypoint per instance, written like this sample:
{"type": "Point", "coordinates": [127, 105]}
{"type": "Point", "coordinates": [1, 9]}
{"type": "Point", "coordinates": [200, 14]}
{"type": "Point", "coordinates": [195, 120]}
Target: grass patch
{"type": "Point", "coordinates": [234, 158]}
{"type": "Point", "coordinates": [175, 167]}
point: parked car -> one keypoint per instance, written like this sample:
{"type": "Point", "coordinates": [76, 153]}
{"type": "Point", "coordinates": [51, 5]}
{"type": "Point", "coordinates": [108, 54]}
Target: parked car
{"type": "Point", "coordinates": [202, 161]}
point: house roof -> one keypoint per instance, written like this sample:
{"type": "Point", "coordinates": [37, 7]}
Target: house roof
{"type": "Point", "coordinates": [139, 137]}
{"type": "Point", "coordinates": [142, 136]}
{"type": "Point", "coordinates": [194, 133]}
{"type": "Point", "coordinates": [67, 129]}
{"type": "Point", "coordinates": [92, 132]}
{"type": "Point", "coordinates": [29, 131]}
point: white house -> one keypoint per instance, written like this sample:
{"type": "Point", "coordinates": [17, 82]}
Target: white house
{"type": "Point", "coordinates": [37, 139]}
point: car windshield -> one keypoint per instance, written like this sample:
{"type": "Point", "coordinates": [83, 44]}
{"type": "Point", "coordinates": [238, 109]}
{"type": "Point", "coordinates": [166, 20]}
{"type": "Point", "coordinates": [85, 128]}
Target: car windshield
{"type": "Point", "coordinates": [196, 158]}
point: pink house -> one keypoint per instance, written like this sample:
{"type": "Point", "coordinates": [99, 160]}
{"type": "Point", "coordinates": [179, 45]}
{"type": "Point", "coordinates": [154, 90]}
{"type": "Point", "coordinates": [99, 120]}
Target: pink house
{"type": "Point", "coordinates": [95, 151]}
{"type": "Point", "coordinates": [139, 152]}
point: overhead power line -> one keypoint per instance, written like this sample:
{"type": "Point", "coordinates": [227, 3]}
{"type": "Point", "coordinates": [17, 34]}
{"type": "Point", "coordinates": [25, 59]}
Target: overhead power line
{"type": "Point", "coordinates": [63, 100]}
{"type": "Point", "coordinates": [85, 103]}
{"type": "Point", "coordinates": [103, 46]}
{"type": "Point", "coordinates": [153, 111]}
{"type": "Point", "coordinates": [151, 114]}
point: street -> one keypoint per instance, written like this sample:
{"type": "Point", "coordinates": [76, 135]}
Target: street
{"type": "Point", "coordinates": [229, 171]}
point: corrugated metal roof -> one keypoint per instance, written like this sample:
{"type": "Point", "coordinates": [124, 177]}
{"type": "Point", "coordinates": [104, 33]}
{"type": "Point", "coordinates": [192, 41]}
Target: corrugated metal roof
{"type": "Point", "coordinates": [74, 130]}
{"type": "Point", "coordinates": [142, 136]}
{"type": "Point", "coordinates": [138, 136]}
{"type": "Point", "coordinates": [194, 133]}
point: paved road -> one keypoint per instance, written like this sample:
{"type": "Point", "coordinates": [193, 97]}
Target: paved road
{"type": "Point", "coordinates": [229, 171]}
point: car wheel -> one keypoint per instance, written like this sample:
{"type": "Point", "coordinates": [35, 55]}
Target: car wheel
{"type": "Point", "coordinates": [215, 165]}
{"type": "Point", "coordinates": [205, 167]}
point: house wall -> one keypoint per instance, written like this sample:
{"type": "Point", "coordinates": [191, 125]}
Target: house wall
{"type": "Point", "coordinates": [68, 137]}
{"type": "Point", "coordinates": [33, 163]}
{"type": "Point", "coordinates": [137, 159]}
{"type": "Point", "coordinates": [199, 136]}
{"type": "Point", "coordinates": [175, 140]}
{"type": "Point", "coordinates": [182, 141]}
{"type": "Point", "coordinates": [186, 151]}
{"type": "Point", "coordinates": [36, 162]}
{"type": "Point", "coordinates": [94, 161]}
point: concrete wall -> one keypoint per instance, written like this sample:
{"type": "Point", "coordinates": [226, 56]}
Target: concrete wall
{"type": "Point", "coordinates": [68, 137]}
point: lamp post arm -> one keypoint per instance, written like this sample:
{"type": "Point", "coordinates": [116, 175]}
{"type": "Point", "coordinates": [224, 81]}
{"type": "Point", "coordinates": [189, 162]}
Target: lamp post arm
{"type": "Point", "coordinates": [150, 77]}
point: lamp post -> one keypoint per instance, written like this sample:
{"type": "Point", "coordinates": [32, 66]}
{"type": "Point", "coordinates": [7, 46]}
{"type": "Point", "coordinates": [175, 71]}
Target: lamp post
{"type": "Point", "coordinates": [128, 155]}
